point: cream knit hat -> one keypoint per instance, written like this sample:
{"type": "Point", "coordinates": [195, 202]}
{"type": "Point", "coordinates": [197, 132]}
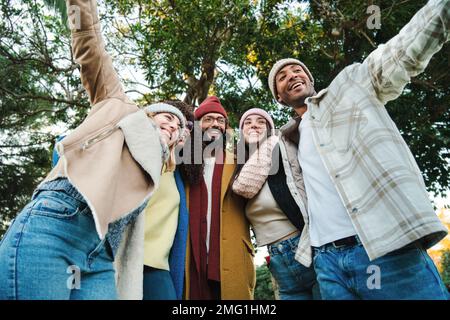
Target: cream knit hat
{"type": "Point", "coordinates": [164, 107]}
{"type": "Point", "coordinates": [280, 64]}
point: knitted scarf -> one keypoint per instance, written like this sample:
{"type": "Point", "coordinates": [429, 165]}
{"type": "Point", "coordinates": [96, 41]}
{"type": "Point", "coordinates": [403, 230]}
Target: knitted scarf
{"type": "Point", "coordinates": [204, 266]}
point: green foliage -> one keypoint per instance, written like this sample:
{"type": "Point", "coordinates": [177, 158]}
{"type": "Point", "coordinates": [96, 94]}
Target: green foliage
{"type": "Point", "coordinates": [59, 6]}
{"type": "Point", "coordinates": [445, 264]}
{"type": "Point", "coordinates": [40, 98]}
{"type": "Point", "coordinates": [180, 42]}
{"type": "Point", "coordinates": [263, 289]}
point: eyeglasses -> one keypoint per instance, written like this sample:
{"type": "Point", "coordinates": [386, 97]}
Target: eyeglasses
{"type": "Point", "coordinates": [210, 120]}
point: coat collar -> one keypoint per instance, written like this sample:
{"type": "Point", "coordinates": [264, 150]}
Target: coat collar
{"type": "Point", "coordinates": [290, 129]}
{"type": "Point", "coordinates": [143, 141]}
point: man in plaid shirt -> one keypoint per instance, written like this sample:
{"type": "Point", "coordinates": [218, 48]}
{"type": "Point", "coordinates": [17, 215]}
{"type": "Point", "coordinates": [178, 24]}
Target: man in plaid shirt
{"type": "Point", "coordinates": [368, 219]}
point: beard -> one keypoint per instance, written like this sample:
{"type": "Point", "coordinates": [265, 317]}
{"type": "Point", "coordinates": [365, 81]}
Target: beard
{"type": "Point", "coordinates": [300, 101]}
{"type": "Point", "coordinates": [207, 139]}
{"type": "Point", "coordinates": [214, 145]}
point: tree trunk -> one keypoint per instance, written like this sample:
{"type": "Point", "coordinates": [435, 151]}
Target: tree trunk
{"type": "Point", "coordinates": [198, 88]}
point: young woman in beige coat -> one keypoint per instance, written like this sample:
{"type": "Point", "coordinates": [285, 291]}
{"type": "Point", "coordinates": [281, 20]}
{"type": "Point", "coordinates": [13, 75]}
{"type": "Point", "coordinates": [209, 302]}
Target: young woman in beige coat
{"type": "Point", "coordinates": [62, 244]}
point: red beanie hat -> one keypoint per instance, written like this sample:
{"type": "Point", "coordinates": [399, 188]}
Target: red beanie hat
{"type": "Point", "coordinates": [210, 104]}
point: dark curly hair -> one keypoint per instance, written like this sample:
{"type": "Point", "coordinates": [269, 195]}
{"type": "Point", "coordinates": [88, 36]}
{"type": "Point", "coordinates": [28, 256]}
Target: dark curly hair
{"type": "Point", "coordinates": [186, 110]}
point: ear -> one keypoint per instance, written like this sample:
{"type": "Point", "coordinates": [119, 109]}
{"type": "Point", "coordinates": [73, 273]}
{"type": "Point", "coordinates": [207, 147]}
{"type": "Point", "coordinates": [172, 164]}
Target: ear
{"type": "Point", "coordinates": [279, 99]}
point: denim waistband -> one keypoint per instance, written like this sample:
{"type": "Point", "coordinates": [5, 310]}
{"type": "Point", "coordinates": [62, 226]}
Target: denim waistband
{"type": "Point", "coordinates": [60, 184]}
{"type": "Point", "coordinates": [284, 245]}
{"type": "Point", "coordinates": [332, 246]}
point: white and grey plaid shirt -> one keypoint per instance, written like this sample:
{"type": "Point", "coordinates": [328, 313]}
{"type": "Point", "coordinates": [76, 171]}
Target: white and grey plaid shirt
{"type": "Point", "coordinates": [370, 164]}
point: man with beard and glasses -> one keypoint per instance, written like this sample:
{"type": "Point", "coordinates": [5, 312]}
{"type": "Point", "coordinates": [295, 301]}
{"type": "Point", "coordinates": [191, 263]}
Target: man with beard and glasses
{"type": "Point", "coordinates": [219, 262]}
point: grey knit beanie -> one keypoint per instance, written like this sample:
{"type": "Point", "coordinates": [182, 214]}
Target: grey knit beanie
{"type": "Point", "coordinates": [164, 107]}
{"type": "Point", "coordinates": [280, 64]}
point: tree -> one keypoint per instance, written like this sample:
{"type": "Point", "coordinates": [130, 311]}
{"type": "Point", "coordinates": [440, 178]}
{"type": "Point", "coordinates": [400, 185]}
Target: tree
{"type": "Point", "coordinates": [263, 289]}
{"type": "Point", "coordinates": [40, 98]}
{"type": "Point", "coordinates": [181, 42]}
{"type": "Point", "coordinates": [440, 253]}
{"type": "Point", "coordinates": [446, 268]}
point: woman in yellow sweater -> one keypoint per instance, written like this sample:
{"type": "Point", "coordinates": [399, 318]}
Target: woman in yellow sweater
{"type": "Point", "coordinates": [166, 219]}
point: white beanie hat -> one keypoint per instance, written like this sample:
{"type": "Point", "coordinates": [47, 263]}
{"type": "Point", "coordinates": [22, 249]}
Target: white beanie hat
{"type": "Point", "coordinates": [164, 107]}
{"type": "Point", "coordinates": [280, 64]}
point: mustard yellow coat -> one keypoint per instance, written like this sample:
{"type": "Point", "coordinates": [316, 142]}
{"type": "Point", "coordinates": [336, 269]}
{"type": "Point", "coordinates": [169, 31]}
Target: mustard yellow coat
{"type": "Point", "coordinates": [237, 271]}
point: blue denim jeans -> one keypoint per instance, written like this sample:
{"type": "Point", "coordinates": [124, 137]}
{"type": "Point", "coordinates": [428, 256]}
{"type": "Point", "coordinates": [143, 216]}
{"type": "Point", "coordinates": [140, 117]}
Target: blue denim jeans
{"type": "Point", "coordinates": [295, 281]}
{"type": "Point", "coordinates": [158, 285]}
{"type": "Point", "coordinates": [52, 250]}
{"type": "Point", "coordinates": [346, 273]}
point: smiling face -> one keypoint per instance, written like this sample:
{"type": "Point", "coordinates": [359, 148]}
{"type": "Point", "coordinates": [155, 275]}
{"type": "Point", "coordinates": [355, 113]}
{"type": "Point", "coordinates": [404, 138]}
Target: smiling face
{"type": "Point", "coordinates": [293, 86]}
{"type": "Point", "coordinates": [254, 128]}
{"type": "Point", "coordinates": [169, 126]}
{"type": "Point", "coordinates": [213, 124]}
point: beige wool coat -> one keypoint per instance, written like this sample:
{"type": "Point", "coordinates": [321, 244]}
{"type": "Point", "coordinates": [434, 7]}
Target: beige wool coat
{"type": "Point", "coordinates": [114, 158]}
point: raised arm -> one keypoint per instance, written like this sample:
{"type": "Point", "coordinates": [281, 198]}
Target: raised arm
{"type": "Point", "coordinates": [97, 72]}
{"type": "Point", "coordinates": [406, 55]}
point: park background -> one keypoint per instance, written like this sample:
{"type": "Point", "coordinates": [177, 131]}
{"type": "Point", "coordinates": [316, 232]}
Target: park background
{"type": "Point", "coordinates": [188, 49]}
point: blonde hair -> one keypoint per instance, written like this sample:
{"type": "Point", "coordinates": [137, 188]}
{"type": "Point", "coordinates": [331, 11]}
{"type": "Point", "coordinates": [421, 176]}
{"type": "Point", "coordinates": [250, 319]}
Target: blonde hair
{"type": "Point", "coordinates": [170, 163]}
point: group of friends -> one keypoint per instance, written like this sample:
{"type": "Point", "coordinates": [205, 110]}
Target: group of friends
{"type": "Point", "coordinates": [150, 203]}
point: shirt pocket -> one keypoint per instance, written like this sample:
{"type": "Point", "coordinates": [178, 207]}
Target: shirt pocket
{"type": "Point", "coordinates": [344, 126]}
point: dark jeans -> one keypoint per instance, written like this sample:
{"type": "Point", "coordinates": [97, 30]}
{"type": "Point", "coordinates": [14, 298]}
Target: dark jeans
{"type": "Point", "coordinates": [295, 281]}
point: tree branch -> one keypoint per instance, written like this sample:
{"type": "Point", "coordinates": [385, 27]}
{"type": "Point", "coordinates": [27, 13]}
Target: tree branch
{"type": "Point", "coordinates": [44, 98]}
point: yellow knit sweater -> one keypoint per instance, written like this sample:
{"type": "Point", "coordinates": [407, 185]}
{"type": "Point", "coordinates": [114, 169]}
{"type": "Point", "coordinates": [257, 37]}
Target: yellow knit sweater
{"type": "Point", "coordinates": [161, 220]}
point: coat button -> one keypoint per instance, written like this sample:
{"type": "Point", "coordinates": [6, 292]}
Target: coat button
{"type": "Point", "coordinates": [354, 210]}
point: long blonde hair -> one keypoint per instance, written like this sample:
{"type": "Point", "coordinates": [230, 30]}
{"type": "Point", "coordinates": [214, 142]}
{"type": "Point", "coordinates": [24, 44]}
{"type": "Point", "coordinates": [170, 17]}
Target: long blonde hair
{"type": "Point", "coordinates": [170, 163]}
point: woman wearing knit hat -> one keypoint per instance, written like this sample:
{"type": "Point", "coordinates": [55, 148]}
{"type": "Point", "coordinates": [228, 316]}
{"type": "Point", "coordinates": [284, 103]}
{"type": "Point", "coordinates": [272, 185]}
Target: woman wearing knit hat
{"type": "Point", "coordinates": [275, 218]}
{"type": "Point", "coordinates": [165, 217]}
{"type": "Point", "coordinates": [166, 220]}
{"type": "Point", "coordinates": [164, 115]}
{"type": "Point", "coordinates": [86, 214]}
